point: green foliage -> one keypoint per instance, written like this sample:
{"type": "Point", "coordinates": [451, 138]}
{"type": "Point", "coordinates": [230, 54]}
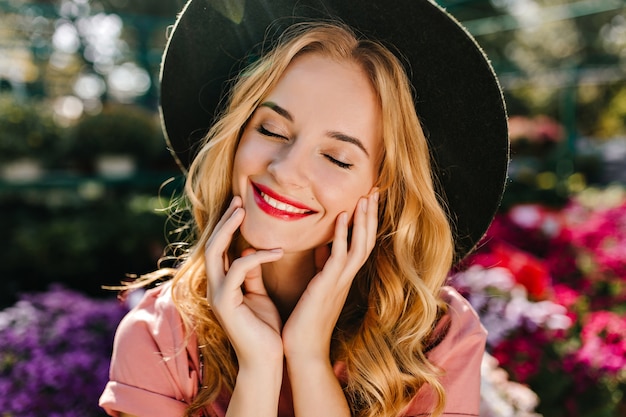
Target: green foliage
{"type": "Point", "coordinates": [613, 119]}
{"type": "Point", "coordinates": [600, 400]}
{"type": "Point", "coordinates": [27, 129]}
{"type": "Point", "coordinates": [83, 238]}
{"type": "Point", "coordinates": [119, 129]}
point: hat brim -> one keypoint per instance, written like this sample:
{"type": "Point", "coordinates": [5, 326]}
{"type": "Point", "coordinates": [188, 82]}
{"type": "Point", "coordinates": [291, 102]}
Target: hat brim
{"type": "Point", "coordinates": [457, 95]}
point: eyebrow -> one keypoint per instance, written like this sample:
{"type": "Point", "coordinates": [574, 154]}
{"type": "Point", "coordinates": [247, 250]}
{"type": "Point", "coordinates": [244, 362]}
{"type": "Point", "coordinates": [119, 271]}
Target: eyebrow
{"type": "Point", "coordinates": [349, 139]}
{"type": "Point", "coordinates": [278, 109]}
{"type": "Point", "coordinates": [333, 134]}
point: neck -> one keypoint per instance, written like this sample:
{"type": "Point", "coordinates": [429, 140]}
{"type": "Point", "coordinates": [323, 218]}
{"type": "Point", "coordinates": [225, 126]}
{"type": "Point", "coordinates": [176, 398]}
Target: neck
{"type": "Point", "coordinates": [286, 280]}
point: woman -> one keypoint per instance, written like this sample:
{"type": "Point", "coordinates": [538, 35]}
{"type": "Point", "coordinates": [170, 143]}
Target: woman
{"type": "Point", "coordinates": [315, 285]}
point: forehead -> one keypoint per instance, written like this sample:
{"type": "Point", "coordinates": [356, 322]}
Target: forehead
{"type": "Point", "coordinates": [326, 97]}
{"type": "Point", "coordinates": [344, 73]}
{"type": "Point", "coordinates": [318, 87]}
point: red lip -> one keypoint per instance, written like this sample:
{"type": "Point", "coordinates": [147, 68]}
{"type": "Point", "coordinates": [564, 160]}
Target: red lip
{"type": "Point", "coordinates": [273, 211]}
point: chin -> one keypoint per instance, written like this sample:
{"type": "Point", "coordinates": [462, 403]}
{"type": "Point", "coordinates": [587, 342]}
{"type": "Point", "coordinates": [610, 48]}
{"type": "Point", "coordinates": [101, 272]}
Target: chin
{"type": "Point", "coordinates": [264, 239]}
{"type": "Point", "coordinates": [260, 239]}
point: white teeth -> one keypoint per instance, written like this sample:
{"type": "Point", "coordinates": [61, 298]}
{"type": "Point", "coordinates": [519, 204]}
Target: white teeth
{"type": "Point", "coordinates": [282, 206]}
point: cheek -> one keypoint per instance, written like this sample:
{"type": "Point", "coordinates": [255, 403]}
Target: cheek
{"type": "Point", "coordinates": [237, 174]}
{"type": "Point", "coordinates": [254, 151]}
{"type": "Point", "coordinates": [248, 159]}
{"type": "Point", "coordinates": [357, 191]}
{"type": "Point", "coordinates": [345, 197]}
{"type": "Point", "coordinates": [241, 156]}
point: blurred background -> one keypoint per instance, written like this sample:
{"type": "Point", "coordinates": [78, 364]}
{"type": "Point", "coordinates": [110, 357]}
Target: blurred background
{"type": "Point", "coordinates": [85, 175]}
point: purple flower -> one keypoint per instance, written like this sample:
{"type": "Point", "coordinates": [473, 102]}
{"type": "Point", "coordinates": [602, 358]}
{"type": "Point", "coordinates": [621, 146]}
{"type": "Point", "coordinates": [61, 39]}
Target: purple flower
{"type": "Point", "coordinates": [504, 306]}
{"type": "Point", "coordinates": [55, 350]}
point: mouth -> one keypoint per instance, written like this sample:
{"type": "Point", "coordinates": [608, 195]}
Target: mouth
{"type": "Point", "coordinates": [278, 206]}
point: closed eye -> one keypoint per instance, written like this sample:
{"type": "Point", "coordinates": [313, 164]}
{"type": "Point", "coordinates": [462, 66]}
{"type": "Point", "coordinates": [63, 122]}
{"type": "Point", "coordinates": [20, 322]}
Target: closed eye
{"type": "Point", "coordinates": [337, 162]}
{"type": "Point", "coordinates": [262, 130]}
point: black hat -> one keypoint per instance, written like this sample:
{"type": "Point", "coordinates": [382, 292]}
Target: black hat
{"type": "Point", "coordinates": [457, 96]}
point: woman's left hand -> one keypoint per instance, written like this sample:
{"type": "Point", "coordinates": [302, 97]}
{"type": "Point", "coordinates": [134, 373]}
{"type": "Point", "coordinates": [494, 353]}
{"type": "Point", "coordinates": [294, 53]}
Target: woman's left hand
{"type": "Point", "coordinates": [307, 333]}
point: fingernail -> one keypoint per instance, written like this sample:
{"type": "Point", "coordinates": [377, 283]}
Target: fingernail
{"type": "Point", "coordinates": [376, 196]}
{"type": "Point", "coordinates": [236, 211]}
{"type": "Point", "coordinates": [277, 250]}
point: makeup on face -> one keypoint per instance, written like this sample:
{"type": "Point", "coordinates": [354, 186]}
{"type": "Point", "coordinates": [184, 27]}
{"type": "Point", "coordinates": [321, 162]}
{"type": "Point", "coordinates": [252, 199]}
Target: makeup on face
{"type": "Point", "coordinates": [278, 206]}
{"type": "Point", "coordinates": [309, 152]}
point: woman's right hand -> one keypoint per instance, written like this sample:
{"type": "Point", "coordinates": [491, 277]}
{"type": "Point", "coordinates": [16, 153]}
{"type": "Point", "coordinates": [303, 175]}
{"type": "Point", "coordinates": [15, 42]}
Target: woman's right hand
{"type": "Point", "coordinates": [237, 295]}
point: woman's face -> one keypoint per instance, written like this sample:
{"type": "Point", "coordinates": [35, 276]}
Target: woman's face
{"type": "Point", "coordinates": [309, 152]}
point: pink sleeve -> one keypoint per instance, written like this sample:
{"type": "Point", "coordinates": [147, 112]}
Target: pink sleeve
{"type": "Point", "coordinates": [459, 354]}
{"type": "Point", "coordinates": [153, 368]}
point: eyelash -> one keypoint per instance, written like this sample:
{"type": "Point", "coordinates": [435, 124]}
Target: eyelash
{"type": "Point", "coordinates": [337, 162]}
{"type": "Point", "coordinates": [262, 130]}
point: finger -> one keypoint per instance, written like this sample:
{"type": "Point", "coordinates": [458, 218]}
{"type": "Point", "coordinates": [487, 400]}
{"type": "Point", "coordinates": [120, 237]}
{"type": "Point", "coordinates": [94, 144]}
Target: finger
{"type": "Point", "coordinates": [372, 220]}
{"type": "Point", "coordinates": [253, 281]}
{"type": "Point", "coordinates": [358, 244]}
{"type": "Point", "coordinates": [247, 251]}
{"type": "Point", "coordinates": [217, 248]}
{"type": "Point", "coordinates": [364, 231]}
{"type": "Point", "coordinates": [249, 267]}
{"type": "Point", "coordinates": [234, 205]}
{"type": "Point", "coordinates": [339, 250]}
{"type": "Point", "coordinates": [221, 237]}
{"type": "Point", "coordinates": [340, 240]}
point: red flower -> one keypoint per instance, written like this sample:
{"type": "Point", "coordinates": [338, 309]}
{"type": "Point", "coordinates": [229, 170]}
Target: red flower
{"type": "Point", "coordinates": [527, 270]}
{"type": "Point", "coordinates": [521, 354]}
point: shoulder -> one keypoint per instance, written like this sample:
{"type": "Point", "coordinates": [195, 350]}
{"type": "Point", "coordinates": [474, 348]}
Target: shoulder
{"type": "Point", "coordinates": [154, 322]}
{"type": "Point", "coordinates": [459, 356]}
{"type": "Point", "coordinates": [463, 321]}
{"type": "Point", "coordinates": [154, 361]}
{"type": "Point", "coordinates": [465, 336]}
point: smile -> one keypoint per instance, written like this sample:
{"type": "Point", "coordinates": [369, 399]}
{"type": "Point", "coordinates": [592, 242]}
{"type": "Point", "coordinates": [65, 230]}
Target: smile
{"type": "Point", "coordinates": [281, 206]}
{"type": "Point", "coordinates": [278, 206]}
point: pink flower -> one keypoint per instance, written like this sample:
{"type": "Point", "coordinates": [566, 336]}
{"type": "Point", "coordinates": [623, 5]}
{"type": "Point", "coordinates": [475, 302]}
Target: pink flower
{"type": "Point", "coordinates": [567, 297]}
{"type": "Point", "coordinates": [600, 234]}
{"type": "Point", "coordinates": [603, 338]}
{"type": "Point", "coordinates": [539, 129]}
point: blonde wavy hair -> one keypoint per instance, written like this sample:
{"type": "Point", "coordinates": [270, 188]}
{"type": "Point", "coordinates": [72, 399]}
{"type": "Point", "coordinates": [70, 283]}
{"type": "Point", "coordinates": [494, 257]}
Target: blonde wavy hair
{"type": "Point", "coordinates": [387, 323]}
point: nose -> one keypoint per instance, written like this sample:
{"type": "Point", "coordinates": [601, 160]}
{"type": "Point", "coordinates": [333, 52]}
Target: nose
{"type": "Point", "coordinates": [290, 166]}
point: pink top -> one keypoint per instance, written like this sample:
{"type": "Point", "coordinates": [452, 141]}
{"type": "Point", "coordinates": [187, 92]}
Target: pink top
{"type": "Point", "coordinates": [153, 373]}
